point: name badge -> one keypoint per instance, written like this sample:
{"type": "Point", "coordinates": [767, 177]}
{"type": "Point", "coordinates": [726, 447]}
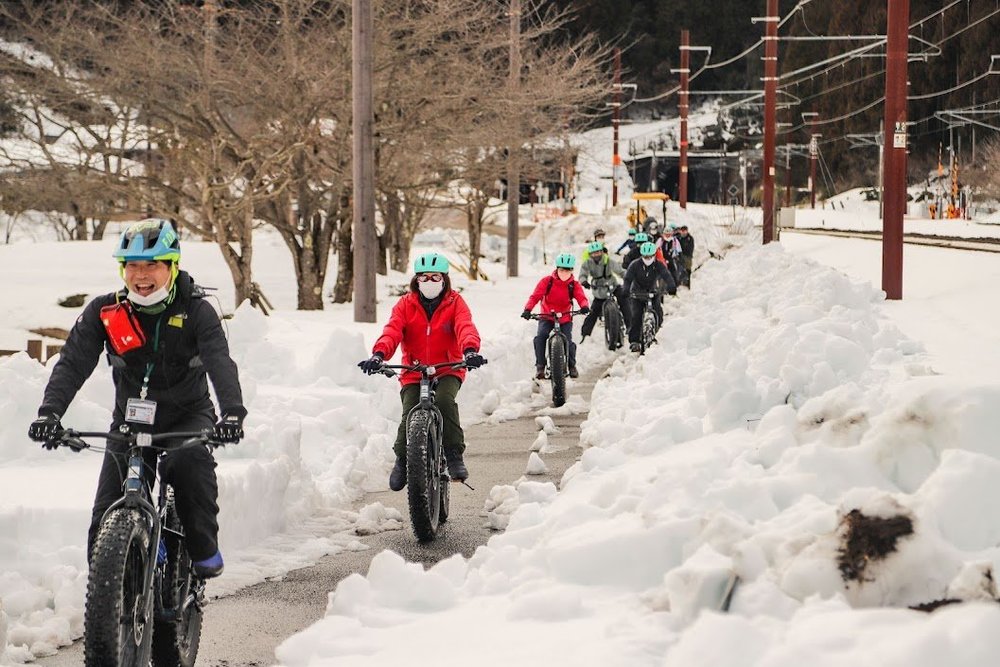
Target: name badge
{"type": "Point", "coordinates": [138, 411]}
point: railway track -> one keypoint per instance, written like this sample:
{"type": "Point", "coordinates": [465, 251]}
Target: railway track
{"type": "Point", "coordinates": [982, 244]}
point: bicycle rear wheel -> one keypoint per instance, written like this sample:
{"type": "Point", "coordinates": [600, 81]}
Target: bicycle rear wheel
{"type": "Point", "coordinates": [117, 619]}
{"type": "Point", "coordinates": [177, 630]}
{"type": "Point", "coordinates": [557, 370]}
{"type": "Point", "coordinates": [423, 478]}
{"type": "Point", "coordinates": [612, 325]}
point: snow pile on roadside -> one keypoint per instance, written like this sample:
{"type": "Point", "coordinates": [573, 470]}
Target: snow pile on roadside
{"type": "Point", "coordinates": [783, 432]}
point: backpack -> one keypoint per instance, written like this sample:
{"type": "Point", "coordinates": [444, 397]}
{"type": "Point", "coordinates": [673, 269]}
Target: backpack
{"type": "Point", "coordinates": [571, 284]}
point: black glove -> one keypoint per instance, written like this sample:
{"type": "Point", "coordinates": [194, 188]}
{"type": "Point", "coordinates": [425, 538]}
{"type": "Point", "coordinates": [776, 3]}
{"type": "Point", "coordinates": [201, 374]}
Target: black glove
{"type": "Point", "coordinates": [372, 365]}
{"type": "Point", "coordinates": [229, 429]}
{"type": "Point", "coordinates": [473, 359]}
{"type": "Point", "coordinates": [44, 429]}
{"type": "Point", "coordinates": [585, 310]}
{"type": "Point", "coordinates": [526, 314]}
{"type": "Point", "coordinates": [585, 284]}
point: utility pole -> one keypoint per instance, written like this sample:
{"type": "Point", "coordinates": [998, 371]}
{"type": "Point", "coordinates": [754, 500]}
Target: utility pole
{"type": "Point", "coordinates": [363, 169]}
{"type": "Point", "coordinates": [770, 115]}
{"type": "Point", "coordinates": [514, 150]}
{"type": "Point", "coordinates": [616, 104]}
{"type": "Point", "coordinates": [897, 30]}
{"type": "Point", "coordinates": [881, 169]}
{"type": "Point", "coordinates": [684, 106]}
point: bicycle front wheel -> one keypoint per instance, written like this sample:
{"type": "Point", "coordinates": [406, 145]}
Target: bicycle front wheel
{"type": "Point", "coordinates": [612, 325]}
{"type": "Point", "coordinates": [116, 621]}
{"type": "Point", "coordinates": [423, 479]}
{"type": "Point", "coordinates": [648, 330]}
{"type": "Point", "coordinates": [557, 369]}
{"type": "Point", "coordinates": [177, 630]}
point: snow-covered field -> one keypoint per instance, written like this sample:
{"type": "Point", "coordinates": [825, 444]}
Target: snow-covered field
{"type": "Point", "coordinates": [791, 432]}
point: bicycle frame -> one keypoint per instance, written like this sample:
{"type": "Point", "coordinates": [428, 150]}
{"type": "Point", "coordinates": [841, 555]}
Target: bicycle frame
{"type": "Point", "coordinates": [556, 331]}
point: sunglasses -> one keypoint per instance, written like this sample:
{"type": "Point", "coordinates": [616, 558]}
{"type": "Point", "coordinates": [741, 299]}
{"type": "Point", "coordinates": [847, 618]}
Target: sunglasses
{"type": "Point", "coordinates": [432, 277]}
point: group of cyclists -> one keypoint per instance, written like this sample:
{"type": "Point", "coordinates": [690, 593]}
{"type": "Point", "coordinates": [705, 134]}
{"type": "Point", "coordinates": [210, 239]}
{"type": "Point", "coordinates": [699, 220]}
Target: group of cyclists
{"type": "Point", "coordinates": [164, 343]}
{"type": "Point", "coordinates": [654, 258]}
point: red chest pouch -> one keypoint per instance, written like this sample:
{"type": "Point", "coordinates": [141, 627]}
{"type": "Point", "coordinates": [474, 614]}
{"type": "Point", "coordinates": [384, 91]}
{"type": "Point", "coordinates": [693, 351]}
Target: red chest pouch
{"type": "Point", "coordinates": [122, 326]}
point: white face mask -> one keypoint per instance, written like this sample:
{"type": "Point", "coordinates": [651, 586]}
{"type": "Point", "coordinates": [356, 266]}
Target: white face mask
{"type": "Point", "coordinates": [648, 261]}
{"type": "Point", "coordinates": [151, 299]}
{"type": "Point", "coordinates": [431, 289]}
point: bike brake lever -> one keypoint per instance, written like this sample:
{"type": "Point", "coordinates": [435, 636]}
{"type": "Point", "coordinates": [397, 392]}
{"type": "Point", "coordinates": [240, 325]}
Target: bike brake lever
{"type": "Point", "coordinates": [76, 444]}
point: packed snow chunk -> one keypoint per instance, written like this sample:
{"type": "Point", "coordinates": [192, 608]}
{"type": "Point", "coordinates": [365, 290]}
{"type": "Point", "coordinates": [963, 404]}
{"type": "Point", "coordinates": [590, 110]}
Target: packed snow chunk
{"type": "Point", "coordinates": [964, 480]}
{"type": "Point", "coordinates": [553, 604]}
{"type": "Point", "coordinates": [623, 551]}
{"type": "Point", "coordinates": [536, 466]}
{"type": "Point", "coordinates": [536, 492]}
{"type": "Point", "coordinates": [838, 417]}
{"type": "Point", "coordinates": [376, 518]}
{"type": "Point", "coordinates": [704, 582]}
{"type": "Point", "coordinates": [499, 505]}
{"type": "Point", "coordinates": [404, 586]}
{"type": "Point", "coordinates": [975, 581]}
{"type": "Point", "coordinates": [540, 442]}
{"type": "Point", "coordinates": [490, 402]}
{"type": "Point", "coordinates": [545, 424]}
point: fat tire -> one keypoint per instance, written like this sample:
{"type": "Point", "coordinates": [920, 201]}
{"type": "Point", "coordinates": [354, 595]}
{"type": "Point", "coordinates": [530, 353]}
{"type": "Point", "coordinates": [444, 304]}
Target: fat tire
{"type": "Point", "coordinates": [117, 574]}
{"type": "Point", "coordinates": [557, 370]}
{"type": "Point", "coordinates": [422, 476]}
{"type": "Point", "coordinates": [648, 330]}
{"type": "Point", "coordinates": [612, 325]}
{"type": "Point", "coordinates": [176, 640]}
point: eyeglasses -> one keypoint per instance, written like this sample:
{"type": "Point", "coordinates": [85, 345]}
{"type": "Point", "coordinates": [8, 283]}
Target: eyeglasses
{"type": "Point", "coordinates": [432, 277]}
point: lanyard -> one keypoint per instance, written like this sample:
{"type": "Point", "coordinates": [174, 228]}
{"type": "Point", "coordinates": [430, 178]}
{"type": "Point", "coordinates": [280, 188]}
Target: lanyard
{"type": "Point", "coordinates": [149, 365]}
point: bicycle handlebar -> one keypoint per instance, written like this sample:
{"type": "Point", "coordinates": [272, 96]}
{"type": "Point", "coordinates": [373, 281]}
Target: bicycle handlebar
{"type": "Point", "coordinates": [552, 316]}
{"type": "Point", "coordinates": [76, 440]}
{"type": "Point", "coordinates": [389, 370]}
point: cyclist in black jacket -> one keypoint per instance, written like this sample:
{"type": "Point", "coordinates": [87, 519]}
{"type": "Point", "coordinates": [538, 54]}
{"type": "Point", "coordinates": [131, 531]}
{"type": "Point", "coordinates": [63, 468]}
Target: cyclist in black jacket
{"type": "Point", "coordinates": [163, 342]}
{"type": "Point", "coordinates": [642, 276]}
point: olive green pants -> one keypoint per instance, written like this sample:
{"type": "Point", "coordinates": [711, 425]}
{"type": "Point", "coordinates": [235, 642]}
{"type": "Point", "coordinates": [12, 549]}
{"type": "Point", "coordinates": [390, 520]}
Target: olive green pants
{"type": "Point", "coordinates": [444, 398]}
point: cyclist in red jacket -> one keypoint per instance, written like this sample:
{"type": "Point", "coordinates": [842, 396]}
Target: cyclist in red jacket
{"type": "Point", "coordinates": [556, 293]}
{"type": "Point", "coordinates": [434, 325]}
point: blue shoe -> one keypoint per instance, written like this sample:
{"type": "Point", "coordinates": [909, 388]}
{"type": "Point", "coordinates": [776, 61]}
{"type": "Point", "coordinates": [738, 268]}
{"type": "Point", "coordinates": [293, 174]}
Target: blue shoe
{"type": "Point", "coordinates": [161, 553]}
{"type": "Point", "coordinates": [210, 567]}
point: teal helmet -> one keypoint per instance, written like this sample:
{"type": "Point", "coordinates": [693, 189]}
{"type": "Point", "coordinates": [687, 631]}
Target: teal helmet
{"type": "Point", "coordinates": [431, 262]}
{"type": "Point", "coordinates": [673, 227]}
{"type": "Point", "coordinates": [565, 261]}
{"type": "Point", "coordinates": [631, 232]}
{"type": "Point", "coordinates": [641, 237]}
{"type": "Point", "coordinates": [647, 249]}
{"type": "Point", "coordinates": [595, 246]}
{"type": "Point", "coordinates": [153, 239]}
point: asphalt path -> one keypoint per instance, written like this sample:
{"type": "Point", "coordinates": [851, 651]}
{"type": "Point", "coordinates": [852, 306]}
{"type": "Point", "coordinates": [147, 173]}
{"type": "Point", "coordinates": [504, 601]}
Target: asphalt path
{"type": "Point", "coordinates": [243, 629]}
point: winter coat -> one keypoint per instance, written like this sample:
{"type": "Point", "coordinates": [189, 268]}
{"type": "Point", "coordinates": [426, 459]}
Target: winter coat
{"type": "Point", "coordinates": [634, 254]}
{"type": "Point", "coordinates": [445, 336]}
{"type": "Point", "coordinates": [605, 271]}
{"type": "Point", "coordinates": [191, 349]}
{"type": "Point", "coordinates": [642, 278]}
{"type": "Point", "coordinates": [687, 245]}
{"type": "Point", "coordinates": [557, 296]}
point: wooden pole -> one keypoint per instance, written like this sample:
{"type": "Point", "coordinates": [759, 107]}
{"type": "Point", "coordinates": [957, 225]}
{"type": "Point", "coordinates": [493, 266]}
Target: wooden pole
{"type": "Point", "coordinates": [616, 104]}
{"type": "Point", "coordinates": [362, 25]}
{"type": "Point", "coordinates": [513, 150]}
{"type": "Point", "coordinates": [684, 105]}
{"type": "Point", "coordinates": [894, 141]}
{"type": "Point", "coordinates": [770, 115]}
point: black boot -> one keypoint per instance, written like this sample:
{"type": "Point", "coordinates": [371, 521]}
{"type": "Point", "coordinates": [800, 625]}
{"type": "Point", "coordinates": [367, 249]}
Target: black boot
{"type": "Point", "coordinates": [397, 478]}
{"type": "Point", "coordinates": [539, 372]}
{"type": "Point", "coordinates": [573, 373]}
{"type": "Point", "coordinates": [456, 466]}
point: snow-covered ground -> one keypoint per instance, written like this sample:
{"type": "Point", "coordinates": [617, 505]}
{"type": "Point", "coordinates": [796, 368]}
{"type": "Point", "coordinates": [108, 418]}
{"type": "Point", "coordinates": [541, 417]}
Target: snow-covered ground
{"type": "Point", "coordinates": [790, 429]}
